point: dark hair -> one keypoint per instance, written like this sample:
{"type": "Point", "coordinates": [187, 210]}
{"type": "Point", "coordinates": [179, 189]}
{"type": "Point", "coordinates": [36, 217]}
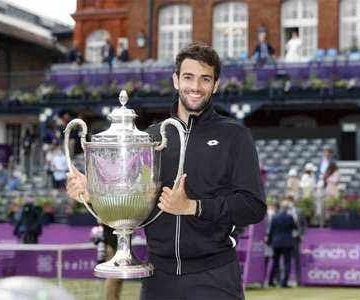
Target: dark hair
{"type": "Point", "coordinates": [330, 170]}
{"type": "Point", "coordinates": [202, 53]}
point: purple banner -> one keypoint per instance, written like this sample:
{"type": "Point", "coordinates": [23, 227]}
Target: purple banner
{"type": "Point", "coordinates": [250, 252]}
{"type": "Point", "coordinates": [331, 257]}
{"type": "Point", "coordinates": [73, 263]}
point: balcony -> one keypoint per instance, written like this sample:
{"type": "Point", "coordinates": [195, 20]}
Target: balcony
{"type": "Point", "coordinates": [150, 84]}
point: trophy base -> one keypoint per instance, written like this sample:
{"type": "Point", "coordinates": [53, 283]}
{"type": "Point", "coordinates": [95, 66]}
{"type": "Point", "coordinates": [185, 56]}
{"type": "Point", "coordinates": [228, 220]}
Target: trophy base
{"type": "Point", "coordinates": [131, 271]}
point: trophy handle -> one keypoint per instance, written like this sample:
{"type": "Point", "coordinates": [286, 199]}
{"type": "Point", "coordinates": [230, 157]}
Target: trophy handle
{"type": "Point", "coordinates": [69, 127]}
{"type": "Point", "coordinates": [179, 127]}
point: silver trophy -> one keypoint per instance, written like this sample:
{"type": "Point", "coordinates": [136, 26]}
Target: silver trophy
{"type": "Point", "coordinates": [123, 181]}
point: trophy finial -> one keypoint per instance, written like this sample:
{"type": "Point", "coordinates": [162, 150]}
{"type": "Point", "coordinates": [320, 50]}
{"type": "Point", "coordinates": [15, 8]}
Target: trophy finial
{"type": "Point", "coordinates": [123, 97]}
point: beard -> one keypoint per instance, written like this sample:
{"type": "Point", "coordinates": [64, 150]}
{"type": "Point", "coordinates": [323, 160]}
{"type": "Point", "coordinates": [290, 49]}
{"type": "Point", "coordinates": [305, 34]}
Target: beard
{"type": "Point", "coordinates": [193, 108]}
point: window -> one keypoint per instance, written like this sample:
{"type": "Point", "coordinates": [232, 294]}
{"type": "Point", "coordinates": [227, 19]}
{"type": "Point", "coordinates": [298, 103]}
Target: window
{"type": "Point", "coordinates": [349, 24]}
{"type": "Point", "coordinates": [230, 29]}
{"type": "Point", "coordinates": [13, 139]}
{"type": "Point", "coordinates": [301, 15]}
{"type": "Point", "coordinates": [175, 30]}
{"type": "Point", "coordinates": [94, 43]}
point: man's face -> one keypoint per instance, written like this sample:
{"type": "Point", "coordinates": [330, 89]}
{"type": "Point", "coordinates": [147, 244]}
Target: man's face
{"type": "Point", "coordinates": [327, 153]}
{"type": "Point", "coordinates": [196, 84]}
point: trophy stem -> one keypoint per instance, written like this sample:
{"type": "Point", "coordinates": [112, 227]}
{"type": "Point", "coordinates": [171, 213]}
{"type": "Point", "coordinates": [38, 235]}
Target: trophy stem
{"type": "Point", "coordinates": [123, 255]}
{"type": "Point", "coordinates": [124, 265]}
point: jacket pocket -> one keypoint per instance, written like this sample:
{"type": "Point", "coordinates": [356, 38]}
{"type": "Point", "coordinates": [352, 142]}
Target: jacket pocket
{"type": "Point", "coordinates": [161, 235]}
{"type": "Point", "coordinates": [201, 237]}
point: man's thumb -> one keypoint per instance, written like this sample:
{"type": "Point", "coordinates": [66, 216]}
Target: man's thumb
{"type": "Point", "coordinates": [182, 181]}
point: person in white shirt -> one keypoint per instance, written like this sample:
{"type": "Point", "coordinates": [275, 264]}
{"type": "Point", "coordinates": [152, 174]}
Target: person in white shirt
{"type": "Point", "coordinates": [59, 167]}
{"type": "Point", "coordinates": [308, 181]}
{"type": "Point", "coordinates": [293, 48]}
{"type": "Point", "coordinates": [293, 184]}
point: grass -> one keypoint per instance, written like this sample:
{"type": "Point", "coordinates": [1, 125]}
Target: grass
{"type": "Point", "coordinates": [304, 293]}
{"type": "Point", "coordinates": [94, 290]}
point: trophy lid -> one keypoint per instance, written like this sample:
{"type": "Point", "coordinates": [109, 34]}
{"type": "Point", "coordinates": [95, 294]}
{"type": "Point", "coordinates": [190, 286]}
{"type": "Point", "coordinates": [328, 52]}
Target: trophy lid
{"type": "Point", "coordinates": [122, 128]}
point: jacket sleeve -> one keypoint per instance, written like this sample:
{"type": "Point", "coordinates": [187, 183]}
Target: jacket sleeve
{"type": "Point", "coordinates": [244, 204]}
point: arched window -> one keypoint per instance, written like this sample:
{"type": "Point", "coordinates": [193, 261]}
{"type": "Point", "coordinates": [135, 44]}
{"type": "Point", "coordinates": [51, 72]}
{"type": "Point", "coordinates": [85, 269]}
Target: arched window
{"type": "Point", "coordinates": [302, 16]}
{"type": "Point", "coordinates": [94, 43]}
{"type": "Point", "coordinates": [349, 24]}
{"type": "Point", "coordinates": [230, 29]}
{"type": "Point", "coordinates": [175, 30]}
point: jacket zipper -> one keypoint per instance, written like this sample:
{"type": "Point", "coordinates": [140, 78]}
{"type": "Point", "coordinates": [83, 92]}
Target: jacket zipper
{"type": "Point", "coordinates": [178, 218]}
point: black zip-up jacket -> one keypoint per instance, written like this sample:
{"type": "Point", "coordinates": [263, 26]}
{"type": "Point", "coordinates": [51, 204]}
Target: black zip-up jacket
{"type": "Point", "coordinates": [223, 173]}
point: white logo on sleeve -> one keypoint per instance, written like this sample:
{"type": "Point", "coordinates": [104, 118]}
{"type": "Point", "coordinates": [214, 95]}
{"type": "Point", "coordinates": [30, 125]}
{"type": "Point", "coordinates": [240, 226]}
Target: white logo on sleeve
{"type": "Point", "coordinates": [213, 143]}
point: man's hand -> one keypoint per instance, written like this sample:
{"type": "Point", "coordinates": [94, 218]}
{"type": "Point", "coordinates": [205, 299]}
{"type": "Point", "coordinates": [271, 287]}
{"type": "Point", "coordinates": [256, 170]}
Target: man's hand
{"type": "Point", "coordinates": [76, 185]}
{"type": "Point", "coordinates": [175, 201]}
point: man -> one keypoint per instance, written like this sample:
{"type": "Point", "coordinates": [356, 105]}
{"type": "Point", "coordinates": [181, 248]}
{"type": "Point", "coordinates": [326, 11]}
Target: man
{"type": "Point", "coordinates": [123, 53]}
{"type": "Point", "coordinates": [108, 53]}
{"type": "Point", "coordinates": [326, 159]}
{"type": "Point", "coordinates": [280, 237]}
{"type": "Point", "coordinates": [190, 244]}
{"type": "Point", "coordinates": [264, 52]}
{"type": "Point", "coordinates": [298, 234]}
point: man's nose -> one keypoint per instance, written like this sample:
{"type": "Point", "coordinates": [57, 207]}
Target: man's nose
{"type": "Point", "coordinates": [195, 84]}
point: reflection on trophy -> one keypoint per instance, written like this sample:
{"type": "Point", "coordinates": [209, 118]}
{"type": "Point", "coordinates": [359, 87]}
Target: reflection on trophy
{"type": "Point", "coordinates": [122, 174]}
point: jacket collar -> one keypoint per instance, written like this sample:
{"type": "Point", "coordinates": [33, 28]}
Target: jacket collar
{"type": "Point", "coordinates": [205, 115]}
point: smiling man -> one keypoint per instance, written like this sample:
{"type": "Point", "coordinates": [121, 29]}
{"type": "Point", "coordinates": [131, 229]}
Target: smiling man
{"type": "Point", "coordinates": [190, 244]}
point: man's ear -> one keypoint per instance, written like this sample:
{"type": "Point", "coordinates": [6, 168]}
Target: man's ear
{"type": "Point", "coordinates": [175, 81]}
{"type": "Point", "coordinates": [216, 86]}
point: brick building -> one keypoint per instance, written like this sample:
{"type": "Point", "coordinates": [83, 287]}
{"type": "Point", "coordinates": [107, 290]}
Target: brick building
{"type": "Point", "coordinates": [29, 45]}
{"type": "Point", "coordinates": [230, 26]}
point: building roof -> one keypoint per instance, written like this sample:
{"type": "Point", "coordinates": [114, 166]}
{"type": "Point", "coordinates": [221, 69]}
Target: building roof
{"type": "Point", "coordinates": [22, 24]}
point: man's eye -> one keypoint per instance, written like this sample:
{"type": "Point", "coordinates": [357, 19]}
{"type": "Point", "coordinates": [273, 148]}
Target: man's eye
{"type": "Point", "coordinates": [207, 79]}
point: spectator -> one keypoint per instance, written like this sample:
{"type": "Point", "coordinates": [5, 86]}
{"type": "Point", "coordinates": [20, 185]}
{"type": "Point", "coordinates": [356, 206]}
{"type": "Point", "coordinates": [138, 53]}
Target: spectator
{"type": "Point", "coordinates": [123, 53]}
{"type": "Point", "coordinates": [27, 144]}
{"type": "Point", "coordinates": [75, 56]}
{"type": "Point", "coordinates": [280, 237]}
{"type": "Point", "coordinates": [106, 245]}
{"type": "Point", "coordinates": [331, 180]}
{"type": "Point", "coordinates": [4, 175]}
{"type": "Point", "coordinates": [264, 52]}
{"type": "Point", "coordinates": [272, 210]}
{"type": "Point", "coordinates": [293, 184]}
{"type": "Point", "coordinates": [49, 153]}
{"type": "Point", "coordinates": [297, 235]}
{"type": "Point", "coordinates": [59, 167]}
{"type": "Point", "coordinates": [15, 180]}
{"type": "Point", "coordinates": [308, 181]}
{"type": "Point", "coordinates": [108, 53]}
{"type": "Point", "coordinates": [29, 227]}
{"type": "Point", "coordinates": [326, 159]}
{"type": "Point", "coordinates": [97, 237]}
{"type": "Point", "coordinates": [293, 48]}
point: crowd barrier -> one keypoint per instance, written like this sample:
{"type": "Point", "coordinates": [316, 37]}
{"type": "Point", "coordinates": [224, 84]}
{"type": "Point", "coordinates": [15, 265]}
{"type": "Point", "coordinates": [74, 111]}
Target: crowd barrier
{"type": "Point", "coordinates": [328, 257]}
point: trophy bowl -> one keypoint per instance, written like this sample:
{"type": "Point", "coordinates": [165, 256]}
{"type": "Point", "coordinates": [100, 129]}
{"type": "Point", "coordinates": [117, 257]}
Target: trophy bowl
{"type": "Point", "coordinates": [122, 171]}
{"type": "Point", "coordinates": [122, 175]}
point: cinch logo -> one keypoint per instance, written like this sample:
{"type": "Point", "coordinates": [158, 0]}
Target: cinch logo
{"type": "Point", "coordinates": [336, 253]}
{"type": "Point", "coordinates": [325, 275]}
{"type": "Point", "coordinates": [352, 275]}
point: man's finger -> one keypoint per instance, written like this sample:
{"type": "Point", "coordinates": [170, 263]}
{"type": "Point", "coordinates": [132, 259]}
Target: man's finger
{"type": "Point", "coordinates": [162, 207]}
{"type": "Point", "coordinates": [166, 190]}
